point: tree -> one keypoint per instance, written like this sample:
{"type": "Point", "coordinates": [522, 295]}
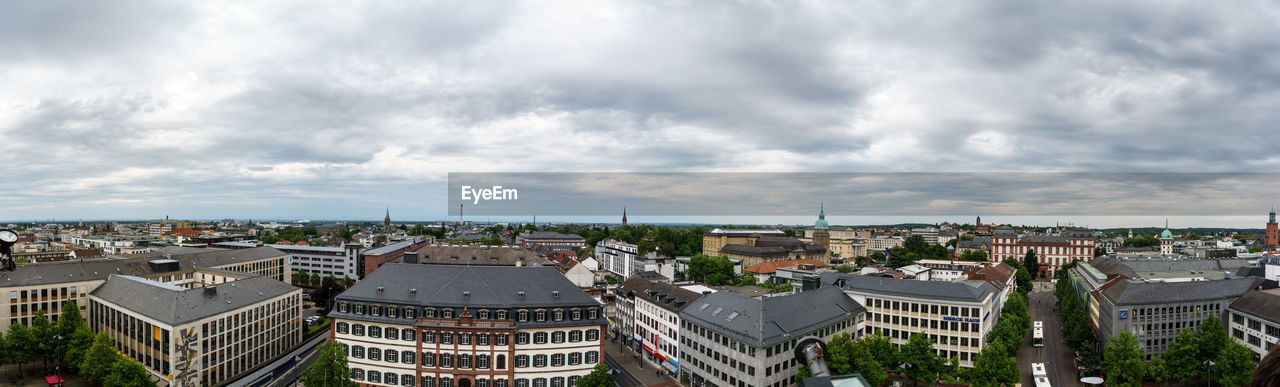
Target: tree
{"type": "Point", "coordinates": [1023, 280]}
{"type": "Point", "coordinates": [850, 356]}
{"type": "Point", "coordinates": [882, 349]}
{"type": "Point", "coordinates": [1213, 338]}
{"type": "Point", "coordinates": [99, 360]}
{"type": "Point", "coordinates": [1122, 360]}
{"type": "Point", "coordinates": [314, 279]}
{"type": "Point", "coordinates": [926, 365]}
{"type": "Point", "coordinates": [71, 319]}
{"type": "Point", "coordinates": [347, 281]}
{"type": "Point", "coordinates": [974, 255]}
{"type": "Point", "coordinates": [330, 368]}
{"type": "Point", "coordinates": [78, 344]}
{"type": "Point", "coordinates": [324, 294]}
{"type": "Point", "coordinates": [21, 345]}
{"type": "Point", "coordinates": [1030, 262]}
{"type": "Point", "coordinates": [711, 270]}
{"type": "Point", "coordinates": [43, 331]}
{"type": "Point", "coordinates": [992, 367]}
{"type": "Point", "coordinates": [1234, 366]}
{"type": "Point", "coordinates": [128, 373]}
{"type": "Point", "coordinates": [600, 376]}
{"type": "Point", "coordinates": [844, 269]}
{"type": "Point", "coordinates": [875, 256]}
{"type": "Point", "coordinates": [1182, 360]}
{"type": "Point", "coordinates": [801, 375]}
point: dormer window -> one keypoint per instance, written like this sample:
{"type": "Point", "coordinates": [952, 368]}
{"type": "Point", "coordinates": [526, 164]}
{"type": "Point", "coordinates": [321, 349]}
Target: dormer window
{"type": "Point", "coordinates": [373, 310]}
{"type": "Point", "coordinates": [344, 307]}
{"type": "Point", "coordinates": [392, 311]}
{"type": "Point", "coordinates": [522, 315]}
{"type": "Point", "coordinates": [592, 313]}
{"type": "Point", "coordinates": [429, 313]}
{"type": "Point", "coordinates": [501, 315]}
{"type": "Point", "coordinates": [540, 315]}
{"type": "Point", "coordinates": [558, 314]}
{"type": "Point", "coordinates": [409, 312]}
{"type": "Point", "coordinates": [446, 313]}
{"type": "Point", "coordinates": [576, 314]}
{"type": "Point", "coordinates": [359, 308]}
{"type": "Point", "coordinates": [483, 314]}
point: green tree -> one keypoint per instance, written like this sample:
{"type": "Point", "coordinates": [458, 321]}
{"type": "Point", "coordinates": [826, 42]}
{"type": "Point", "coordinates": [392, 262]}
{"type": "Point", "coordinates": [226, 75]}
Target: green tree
{"type": "Point", "coordinates": [21, 345]}
{"type": "Point", "coordinates": [99, 360]}
{"type": "Point", "coordinates": [926, 365]}
{"type": "Point", "coordinates": [78, 344]}
{"type": "Point", "coordinates": [126, 372]}
{"type": "Point", "coordinates": [801, 375]}
{"type": "Point", "coordinates": [1213, 338]}
{"type": "Point", "coordinates": [599, 377]}
{"type": "Point", "coordinates": [43, 331]}
{"type": "Point", "coordinates": [71, 319]}
{"type": "Point", "coordinates": [1023, 278]}
{"type": "Point", "coordinates": [711, 270]}
{"type": "Point", "coordinates": [347, 282]}
{"type": "Point", "coordinates": [330, 368]}
{"type": "Point", "coordinates": [882, 349]}
{"type": "Point", "coordinates": [1030, 262]}
{"type": "Point", "coordinates": [876, 257]}
{"type": "Point", "coordinates": [1122, 360]}
{"type": "Point", "coordinates": [1234, 366]}
{"type": "Point", "coordinates": [850, 356]}
{"type": "Point", "coordinates": [1182, 360]}
{"type": "Point", "coordinates": [844, 269]}
{"type": "Point", "coordinates": [974, 255]}
{"type": "Point", "coordinates": [314, 279]}
{"type": "Point", "coordinates": [993, 367]}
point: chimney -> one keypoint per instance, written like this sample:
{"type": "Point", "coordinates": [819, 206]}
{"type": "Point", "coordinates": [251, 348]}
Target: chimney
{"type": "Point", "coordinates": [379, 290]}
{"type": "Point", "coordinates": [411, 257]}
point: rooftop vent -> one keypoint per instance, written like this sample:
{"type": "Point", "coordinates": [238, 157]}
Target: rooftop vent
{"type": "Point", "coordinates": [379, 290]}
{"type": "Point", "coordinates": [466, 294]}
{"type": "Point", "coordinates": [555, 293]}
{"type": "Point", "coordinates": [521, 295]}
{"type": "Point", "coordinates": [413, 291]}
{"type": "Point", "coordinates": [211, 291]}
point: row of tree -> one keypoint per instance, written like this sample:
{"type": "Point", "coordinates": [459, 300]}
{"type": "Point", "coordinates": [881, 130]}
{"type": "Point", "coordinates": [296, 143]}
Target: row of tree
{"type": "Point", "coordinates": [718, 271]}
{"type": "Point", "coordinates": [94, 358]}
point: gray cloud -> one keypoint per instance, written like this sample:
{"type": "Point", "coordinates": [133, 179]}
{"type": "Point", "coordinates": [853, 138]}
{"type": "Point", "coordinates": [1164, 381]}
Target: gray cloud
{"type": "Point", "coordinates": [290, 110]}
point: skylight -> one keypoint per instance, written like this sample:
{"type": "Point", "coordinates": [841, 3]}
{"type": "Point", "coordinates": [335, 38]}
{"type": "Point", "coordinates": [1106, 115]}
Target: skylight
{"type": "Point", "coordinates": [717, 311]}
{"type": "Point", "coordinates": [732, 316]}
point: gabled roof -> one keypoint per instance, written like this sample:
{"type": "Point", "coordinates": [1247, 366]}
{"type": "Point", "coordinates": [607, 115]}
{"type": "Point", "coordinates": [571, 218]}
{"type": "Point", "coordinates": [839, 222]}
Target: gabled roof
{"type": "Point", "coordinates": [1133, 292]}
{"type": "Point", "coordinates": [1264, 304]}
{"type": "Point", "coordinates": [771, 320]}
{"type": "Point", "coordinates": [662, 294]}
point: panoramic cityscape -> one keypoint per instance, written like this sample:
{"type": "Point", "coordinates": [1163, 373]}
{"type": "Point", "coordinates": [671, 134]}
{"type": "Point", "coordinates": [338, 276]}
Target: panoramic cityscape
{"type": "Point", "coordinates": [639, 194]}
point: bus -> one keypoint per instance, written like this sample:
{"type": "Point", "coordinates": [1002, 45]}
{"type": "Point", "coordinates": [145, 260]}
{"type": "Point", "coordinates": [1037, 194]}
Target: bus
{"type": "Point", "coordinates": [1039, 374]}
{"type": "Point", "coordinates": [1037, 337]}
{"type": "Point", "coordinates": [1038, 324]}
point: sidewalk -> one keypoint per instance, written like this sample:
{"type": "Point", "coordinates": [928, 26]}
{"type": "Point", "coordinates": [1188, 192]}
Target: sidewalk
{"type": "Point", "coordinates": [34, 376]}
{"type": "Point", "coordinates": [641, 370]}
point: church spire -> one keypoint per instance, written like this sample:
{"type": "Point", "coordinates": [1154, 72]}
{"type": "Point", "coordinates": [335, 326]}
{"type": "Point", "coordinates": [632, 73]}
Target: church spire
{"type": "Point", "coordinates": [624, 216]}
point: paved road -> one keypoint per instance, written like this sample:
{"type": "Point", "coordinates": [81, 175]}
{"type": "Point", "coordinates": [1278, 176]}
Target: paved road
{"type": "Point", "coordinates": [1058, 358]}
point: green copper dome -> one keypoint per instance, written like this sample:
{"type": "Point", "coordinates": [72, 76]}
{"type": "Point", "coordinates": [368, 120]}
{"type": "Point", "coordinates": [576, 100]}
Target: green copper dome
{"type": "Point", "coordinates": [821, 224]}
{"type": "Point", "coordinates": [1166, 234]}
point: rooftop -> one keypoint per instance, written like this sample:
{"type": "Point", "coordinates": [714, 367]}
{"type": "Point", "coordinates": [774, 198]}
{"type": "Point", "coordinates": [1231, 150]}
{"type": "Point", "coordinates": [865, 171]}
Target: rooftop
{"type": "Point", "coordinates": [771, 320]}
{"type": "Point", "coordinates": [474, 286]}
{"type": "Point", "coordinates": [1132, 292]}
{"type": "Point", "coordinates": [1264, 304]}
{"type": "Point", "coordinates": [963, 291]}
{"type": "Point", "coordinates": [174, 305]}
{"type": "Point", "coordinates": [73, 271]}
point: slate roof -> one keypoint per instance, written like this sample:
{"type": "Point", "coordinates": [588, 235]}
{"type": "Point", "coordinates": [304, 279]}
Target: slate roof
{"type": "Point", "coordinates": [1005, 231]}
{"type": "Point", "coordinates": [772, 320]}
{"type": "Point", "coordinates": [175, 305]}
{"type": "Point", "coordinates": [1264, 304]}
{"type": "Point", "coordinates": [1132, 292]}
{"type": "Point", "coordinates": [552, 235]}
{"type": "Point", "coordinates": [743, 232]}
{"type": "Point", "coordinates": [963, 291]}
{"type": "Point", "coordinates": [1042, 239]}
{"type": "Point", "coordinates": [478, 255]}
{"type": "Point", "coordinates": [771, 267]}
{"type": "Point", "coordinates": [664, 295]}
{"type": "Point", "coordinates": [474, 286]}
{"type": "Point", "coordinates": [1137, 268]}
{"type": "Point", "coordinates": [72, 271]}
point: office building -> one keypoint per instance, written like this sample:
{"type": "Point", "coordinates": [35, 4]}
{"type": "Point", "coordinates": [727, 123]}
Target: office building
{"type": "Point", "coordinates": [457, 325]}
{"type": "Point", "coordinates": [956, 316]}
{"type": "Point", "coordinates": [326, 261]}
{"type": "Point", "coordinates": [202, 327]}
{"type": "Point", "coordinates": [622, 260]}
{"type": "Point", "coordinates": [550, 238]}
{"type": "Point", "coordinates": [727, 339]}
{"type": "Point", "coordinates": [33, 288]}
{"type": "Point", "coordinates": [716, 239]}
{"type": "Point", "coordinates": [649, 316]}
{"type": "Point", "coordinates": [1255, 321]}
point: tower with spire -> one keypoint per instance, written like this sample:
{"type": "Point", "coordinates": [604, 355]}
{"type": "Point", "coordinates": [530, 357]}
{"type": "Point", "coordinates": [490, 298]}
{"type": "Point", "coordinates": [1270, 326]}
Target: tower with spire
{"type": "Point", "coordinates": [624, 216]}
{"type": "Point", "coordinates": [386, 222]}
{"type": "Point", "coordinates": [1166, 240]}
{"type": "Point", "coordinates": [821, 234]}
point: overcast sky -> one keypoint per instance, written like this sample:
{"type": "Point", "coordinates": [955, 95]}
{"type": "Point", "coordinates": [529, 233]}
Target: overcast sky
{"type": "Point", "coordinates": [269, 109]}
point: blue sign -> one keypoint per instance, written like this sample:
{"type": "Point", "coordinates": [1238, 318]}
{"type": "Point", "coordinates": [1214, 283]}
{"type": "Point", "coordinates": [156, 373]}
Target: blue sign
{"type": "Point", "coordinates": [1123, 313]}
{"type": "Point", "coordinates": [961, 319]}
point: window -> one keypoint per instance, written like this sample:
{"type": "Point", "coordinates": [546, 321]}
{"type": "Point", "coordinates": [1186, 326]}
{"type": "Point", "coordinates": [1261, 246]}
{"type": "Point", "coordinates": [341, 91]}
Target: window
{"type": "Point", "coordinates": [446, 338]}
{"type": "Point", "coordinates": [522, 361]}
{"type": "Point", "coordinates": [482, 362]}
{"type": "Point", "coordinates": [359, 308]}
{"type": "Point", "coordinates": [464, 361]}
{"type": "Point", "coordinates": [408, 313]}
{"type": "Point", "coordinates": [375, 376]}
{"type": "Point", "coordinates": [464, 339]}
{"type": "Point", "coordinates": [375, 354]}
{"type": "Point", "coordinates": [522, 338]}
{"type": "Point", "coordinates": [392, 356]}
{"type": "Point", "coordinates": [540, 337]}
{"type": "Point", "coordinates": [501, 315]}
{"type": "Point", "coordinates": [390, 378]}
{"type": "Point", "coordinates": [357, 374]}
{"type": "Point", "coordinates": [500, 339]}
{"type": "Point", "coordinates": [539, 360]}
{"type": "Point", "coordinates": [482, 339]}
{"type": "Point", "coordinates": [375, 331]}
{"type": "Point", "coordinates": [406, 379]}
{"type": "Point", "coordinates": [357, 352]}
{"type": "Point", "coordinates": [576, 314]}
{"type": "Point", "coordinates": [575, 358]}
{"type": "Point", "coordinates": [392, 311]}
{"type": "Point", "coordinates": [428, 337]}
{"type": "Point", "coordinates": [483, 314]}
{"type": "Point", "coordinates": [393, 334]}
{"type": "Point", "coordinates": [500, 362]}
{"type": "Point", "coordinates": [558, 315]}
{"type": "Point", "coordinates": [428, 360]}
{"type": "Point", "coordinates": [593, 334]}
{"type": "Point", "coordinates": [406, 357]}
{"type": "Point", "coordinates": [373, 310]}
{"type": "Point", "coordinates": [429, 313]}
{"type": "Point", "coordinates": [593, 357]}
{"type": "Point", "coordinates": [446, 313]}
{"type": "Point", "coordinates": [557, 360]}
{"type": "Point", "coordinates": [446, 360]}
{"type": "Point", "coordinates": [540, 315]}
{"type": "Point", "coordinates": [557, 382]}
{"type": "Point", "coordinates": [575, 336]}
{"type": "Point", "coordinates": [357, 329]}
{"type": "Point", "coordinates": [343, 327]}
{"type": "Point", "coordinates": [522, 315]}
{"type": "Point", "coordinates": [557, 337]}
{"type": "Point", "coordinates": [428, 381]}
{"type": "Point", "coordinates": [408, 334]}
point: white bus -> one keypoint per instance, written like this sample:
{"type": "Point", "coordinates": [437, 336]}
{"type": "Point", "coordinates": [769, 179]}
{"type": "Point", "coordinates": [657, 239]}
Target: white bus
{"type": "Point", "coordinates": [1039, 374]}
{"type": "Point", "coordinates": [1038, 324]}
{"type": "Point", "coordinates": [1037, 337]}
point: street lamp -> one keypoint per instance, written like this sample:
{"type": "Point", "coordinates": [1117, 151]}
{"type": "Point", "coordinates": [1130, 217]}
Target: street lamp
{"type": "Point", "coordinates": [58, 368]}
{"type": "Point", "coordinates": [1209, 365]}
{"type": "Point", "coordinates": [905, 367]}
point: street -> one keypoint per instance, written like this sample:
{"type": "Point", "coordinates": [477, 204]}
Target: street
{"type": "Point", "coordinates": [1058, 358]}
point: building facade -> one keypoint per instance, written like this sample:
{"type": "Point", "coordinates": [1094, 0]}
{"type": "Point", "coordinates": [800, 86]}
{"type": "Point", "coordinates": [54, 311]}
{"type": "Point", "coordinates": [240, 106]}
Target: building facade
{"type": "Point", "coordinates": [326, 261]}
{"type": "Point", "coordinates": [956, 316]}
{"type": "Point", "coordinates": [1052, 251]}
{"type": "Point", "coordinates": [652, 311]}
{"type": "Point", "coordinates": [213, 328]}
{"type": "Point", "coordinates": [716, 239]}
{"type": "Point", "coordinates": [1272, 238]}
{"type": "Point", "coordinates": [1255, 321]}
{"type": "Point", "coordinates": [481, 326]}
{"type": "Point", "coordinates": [727, 339]}
{"type": "Point", "coordinates": [550, 238]}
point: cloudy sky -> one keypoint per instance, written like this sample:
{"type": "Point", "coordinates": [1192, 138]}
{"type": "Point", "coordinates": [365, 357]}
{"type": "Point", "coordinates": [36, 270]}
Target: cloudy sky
{"type": "Point", "coordinates": [134, 110]}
